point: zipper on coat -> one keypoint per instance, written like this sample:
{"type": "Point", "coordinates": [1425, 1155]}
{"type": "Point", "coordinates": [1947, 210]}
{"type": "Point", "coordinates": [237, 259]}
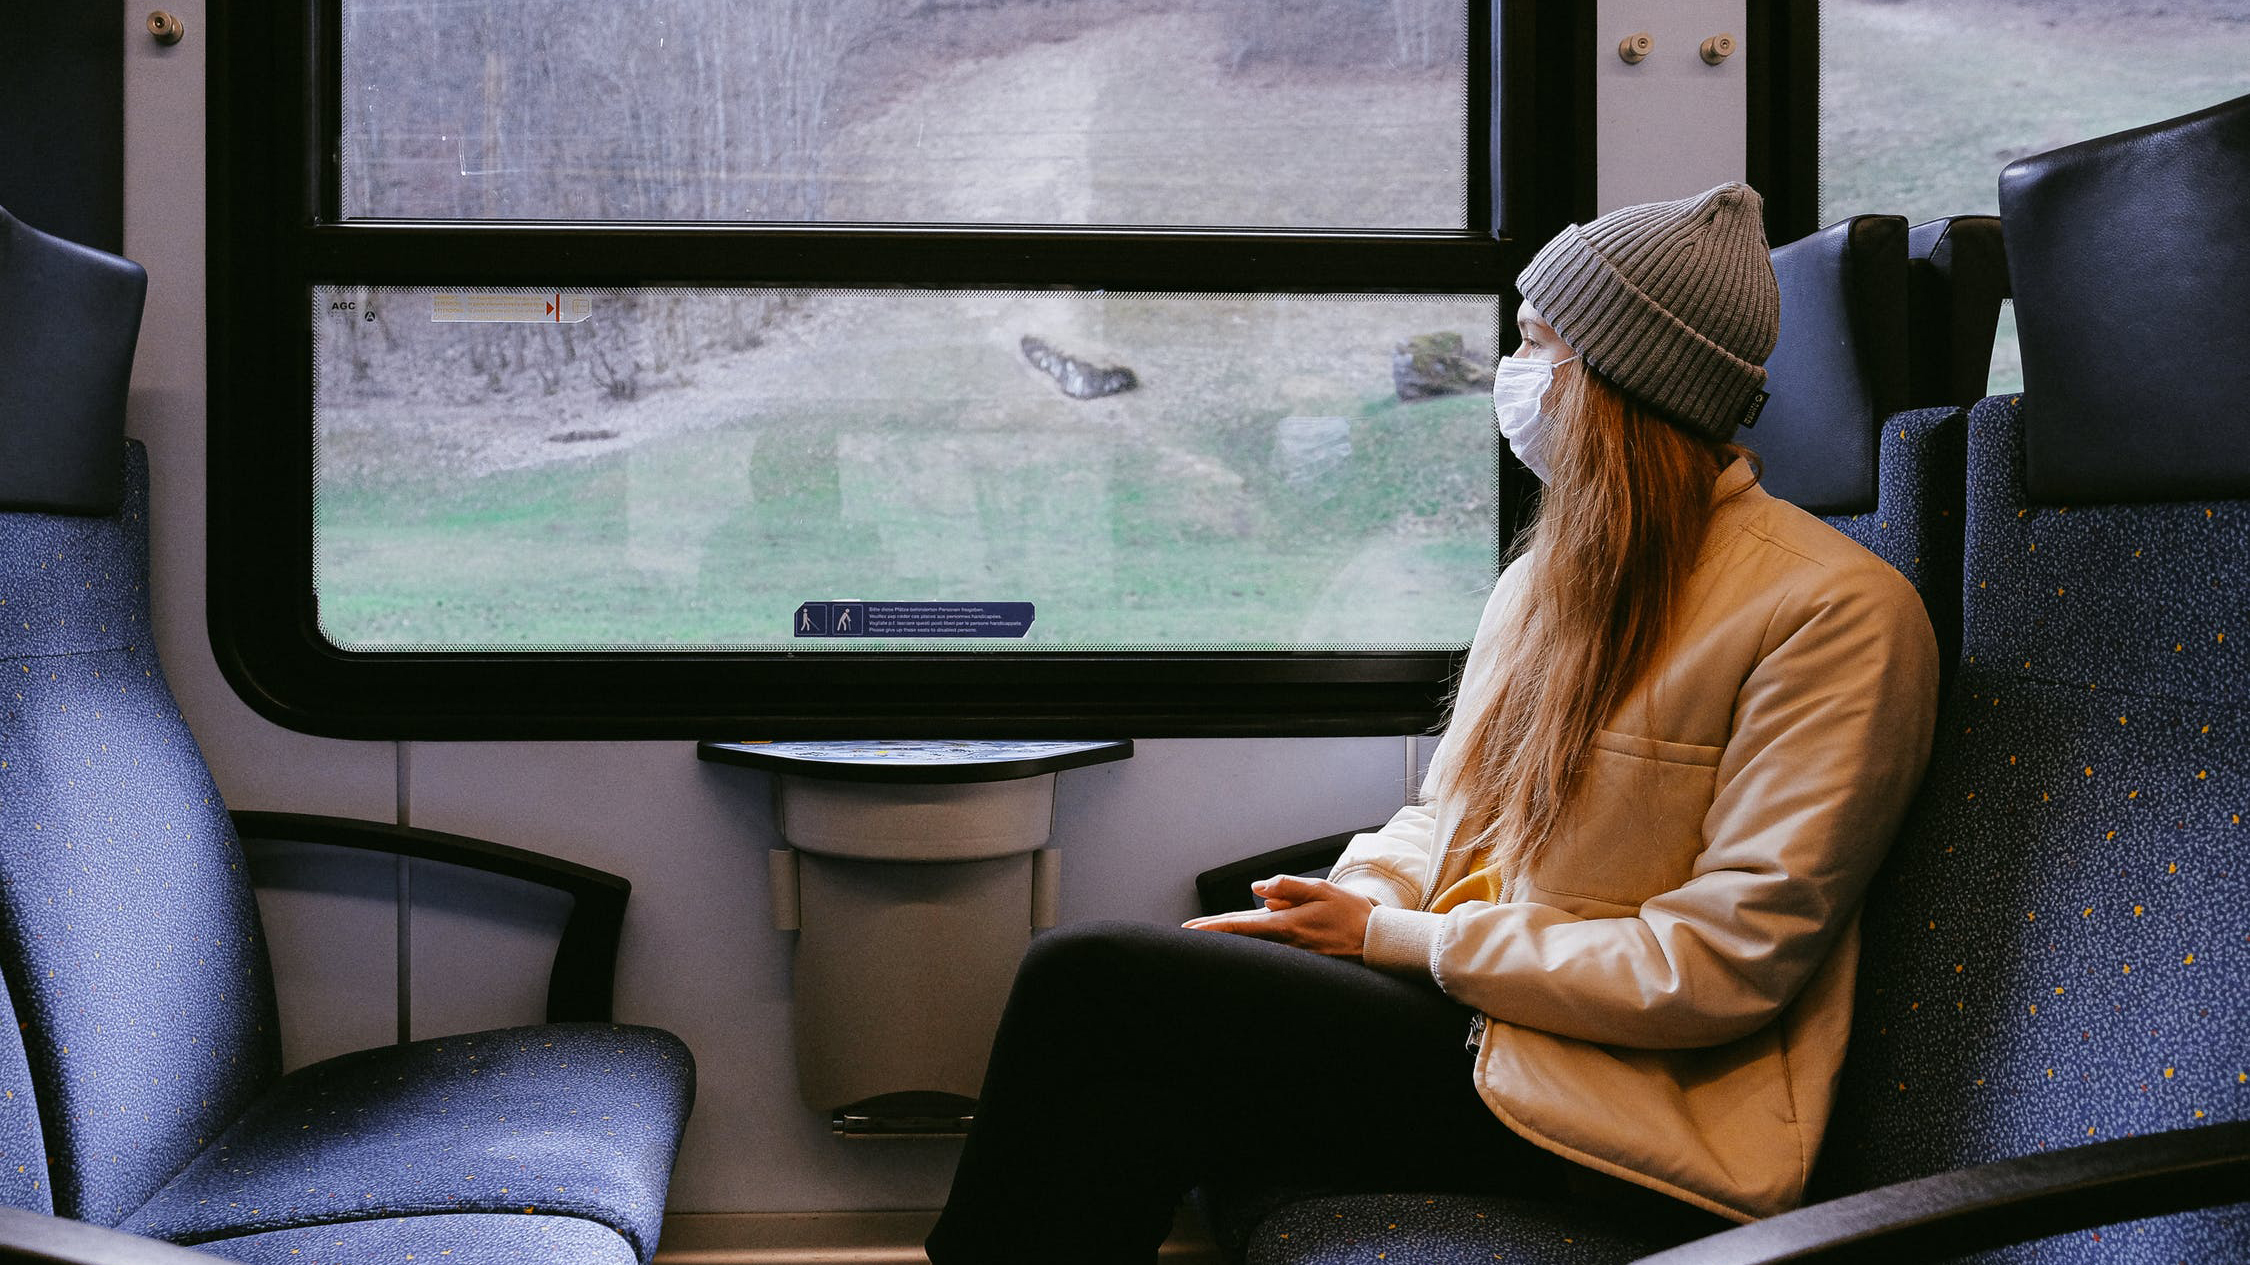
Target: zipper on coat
{"type": "Point", "coordinates": [1437, 868]}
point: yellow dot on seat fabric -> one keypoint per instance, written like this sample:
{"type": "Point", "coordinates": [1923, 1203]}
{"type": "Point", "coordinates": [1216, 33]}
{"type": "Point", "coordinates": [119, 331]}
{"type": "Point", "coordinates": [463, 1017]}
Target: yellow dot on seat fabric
{"type": "Point", "coordinates": [2189, 960]}
{"type": "Point", "coordinates": [2089, 770]}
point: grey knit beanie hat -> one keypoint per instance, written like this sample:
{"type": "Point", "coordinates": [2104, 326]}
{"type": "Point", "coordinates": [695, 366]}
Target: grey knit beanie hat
{"type": "Point", "coordinates": [1675, 302]}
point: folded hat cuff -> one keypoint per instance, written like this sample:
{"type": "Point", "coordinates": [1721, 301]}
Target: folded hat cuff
{"type": "Point", "coordinates": [1637, 344]}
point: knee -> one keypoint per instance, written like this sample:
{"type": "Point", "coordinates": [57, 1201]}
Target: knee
{"type": "Point", "coordinates": [1086, 953]}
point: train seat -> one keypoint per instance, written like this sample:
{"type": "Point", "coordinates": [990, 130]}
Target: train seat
{"type": "Point", "coordinates": [2055, 951]}
{"type": "Point", "coordinates": [134, 958]}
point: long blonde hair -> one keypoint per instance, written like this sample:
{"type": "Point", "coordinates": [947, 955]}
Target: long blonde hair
{"type": "Point", "coordinates": [1616, 533]}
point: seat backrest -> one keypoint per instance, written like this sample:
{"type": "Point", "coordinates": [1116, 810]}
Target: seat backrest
{"type": "Point", "coordinates": [72, 316]}
{"type": "Point", "coordinates": [2055, 952]}
{"type": "Point", "coordinates": [23, 1151]}
{"type": "Point", "coordinates": [2132, 234]}
{"type": "Point", "coordinates": [132, 945]}
{"type": "Point", "coordinates": [1830, 439]}
{"type": "Point", "coordinates": [1956, 280]}
{"type": "Point", "coordinates": [1839, 367]}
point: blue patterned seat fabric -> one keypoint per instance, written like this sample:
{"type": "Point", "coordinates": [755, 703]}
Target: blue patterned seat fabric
{"type": "Point", "coordinates": [2058, 949]}
{"type": "Point", "coordinates": [1418, 1229]}
{"type": "Point", "coordinates": [575, 1119]}
{"type": "Point", "coordinates": [133, 946]}
{"type": "Point", "coordinates": [138, 968]}
{"type": "Point", "coordinates": [538, 1239]}
{"type": "Point", "coordinates": [23, 1153]}
{"type": "Point", "coordinates": [1916, 525]}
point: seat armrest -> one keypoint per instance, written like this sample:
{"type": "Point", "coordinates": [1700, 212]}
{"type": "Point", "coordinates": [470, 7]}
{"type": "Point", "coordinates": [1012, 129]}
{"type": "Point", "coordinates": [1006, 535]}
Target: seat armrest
{"type": "Point", "coordinates": [1992, 1205]}
{"type": "Point", "coordinates": [34, 1237]}
{"type": "Point", "coordinates": [581, 984]}
{"type": "Point", "coordinates": [1227, 888]}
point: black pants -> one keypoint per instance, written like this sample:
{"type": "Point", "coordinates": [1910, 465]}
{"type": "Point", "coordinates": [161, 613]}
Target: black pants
{"type": "Point", "coordinates": [1134, 1062]}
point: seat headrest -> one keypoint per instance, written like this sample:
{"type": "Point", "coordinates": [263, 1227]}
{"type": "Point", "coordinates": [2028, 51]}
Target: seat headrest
{"type": "Point", "coordinates": [1956, 279]}
{"type": "Point", "coordinates": [2130, 258]}
{"type": "Point", "coordinates": [69, 317]}
{"type": "Point", "coordinates": [1840, 366]}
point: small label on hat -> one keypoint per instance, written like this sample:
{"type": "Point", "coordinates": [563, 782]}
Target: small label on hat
{"type": "Point", "coordinates": [1756, 406]}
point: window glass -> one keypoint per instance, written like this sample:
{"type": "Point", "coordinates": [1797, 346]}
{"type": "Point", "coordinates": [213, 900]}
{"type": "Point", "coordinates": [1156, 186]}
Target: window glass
{"type": "Point", "coordinates": [1922, 102]}
{"type": "Point", "coordinates": [2006, 375]}
{"type": "Point", "coordinates": [697, 468]}
{"type": "Point", "coordinates": [1273, 113]}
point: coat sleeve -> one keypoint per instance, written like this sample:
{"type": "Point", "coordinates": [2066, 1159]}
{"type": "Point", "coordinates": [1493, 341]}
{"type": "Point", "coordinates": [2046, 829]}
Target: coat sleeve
{"type": "Point", "coordinates": [1389, 866]}
{"type": "Point", "coordinates": [1831, 731]}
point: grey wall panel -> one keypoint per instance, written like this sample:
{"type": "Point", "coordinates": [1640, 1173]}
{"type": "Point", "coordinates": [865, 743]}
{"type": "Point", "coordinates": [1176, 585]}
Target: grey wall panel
{"type": "Point", "coordinates": [258, 764]}
{"type": "Point", "coordinates": [331, 919]}
{"type": "Point", "coordinates": [699, 956]}
{"type": "Point", "coordinates": [1670, 126]}
{"type": "Point", "coordinates": [481, 948]}
{"type": "Point", "coordinates": [1133, 835]}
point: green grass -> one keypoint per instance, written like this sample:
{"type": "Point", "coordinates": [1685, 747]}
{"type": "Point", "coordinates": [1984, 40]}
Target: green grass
{"type": "Point", "coordinates": [713, 537]}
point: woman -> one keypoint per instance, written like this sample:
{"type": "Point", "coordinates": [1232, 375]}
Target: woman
{"type": "Point", "coordinates": [1614, 947]}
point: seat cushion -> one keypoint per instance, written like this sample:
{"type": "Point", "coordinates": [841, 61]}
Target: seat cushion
{"type": "Point", "coordinates": [479, 1238]}
{"type": "Point", "coordinates": [1439, 1230]}
{"type": "Point", "coordinates": [581, 1120]}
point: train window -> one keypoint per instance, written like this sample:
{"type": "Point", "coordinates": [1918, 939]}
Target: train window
{"type": "Point", "coordinates": [870, 366]}
{"type": "Point", "coordinates": [1922, 102]}
{"type": "Point", "coordinates": [1285, 113]}
{"type": "Point", "coordinates": [667, 468]}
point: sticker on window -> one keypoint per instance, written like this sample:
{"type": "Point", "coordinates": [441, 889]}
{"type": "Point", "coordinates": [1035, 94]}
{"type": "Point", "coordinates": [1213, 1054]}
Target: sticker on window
{"type": "Point", "coordinates": [912, 619]}
{"type": "Point", "coordinates": [553, 307]}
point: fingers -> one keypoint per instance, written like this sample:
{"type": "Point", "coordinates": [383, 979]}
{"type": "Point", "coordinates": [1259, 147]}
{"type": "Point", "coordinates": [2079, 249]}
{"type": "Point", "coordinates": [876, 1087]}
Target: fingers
{"type": "Point", "coordinates": [1292, 889]}
{"type": "Point", "coordinates": [1257, 924]}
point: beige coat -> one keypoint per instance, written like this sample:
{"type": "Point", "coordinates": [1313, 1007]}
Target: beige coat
{"type": "Point", "coordinates": [1668, 991]}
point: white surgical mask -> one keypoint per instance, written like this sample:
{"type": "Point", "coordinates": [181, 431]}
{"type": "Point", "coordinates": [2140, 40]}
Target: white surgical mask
{"type": "Point", "coordinates": [1518, 384]}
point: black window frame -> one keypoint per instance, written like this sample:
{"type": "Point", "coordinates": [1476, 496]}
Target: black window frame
{"type": "Point", "coordinates": [275, 232]}
{"type": "Point", "coordinates": [1782, 154]}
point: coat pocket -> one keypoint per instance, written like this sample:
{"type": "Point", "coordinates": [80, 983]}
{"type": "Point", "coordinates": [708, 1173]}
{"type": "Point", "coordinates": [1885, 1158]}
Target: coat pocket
{"type": "Point", "coordinates": [1635, 825]}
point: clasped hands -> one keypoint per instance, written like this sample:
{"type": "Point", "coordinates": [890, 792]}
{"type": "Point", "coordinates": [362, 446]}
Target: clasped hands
{"type": "Point", "coordinates": [1309, 913]}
